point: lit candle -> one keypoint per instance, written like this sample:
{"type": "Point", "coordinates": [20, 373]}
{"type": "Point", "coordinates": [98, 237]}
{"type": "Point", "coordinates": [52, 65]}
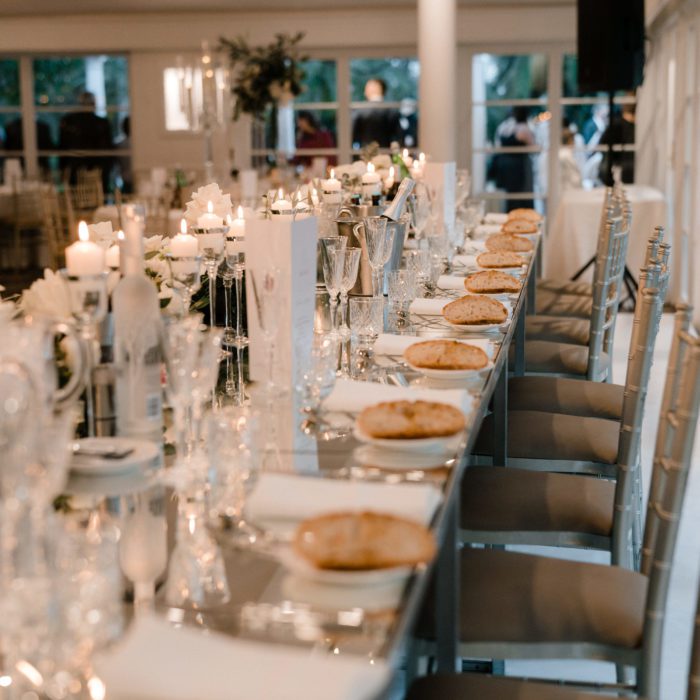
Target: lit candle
{"type": "Point", "coordinates": [281, 205]}
{"type": "Point", "coordinates": [421, 159]}
{"type": "Point", "coordinates": [209, 220]}
{"type": "Point", "coordinates": [112, 254]}
{"type": "Point", "coordinates": [332, 184]}
{"type": "Point", "coordinates": [237, 226]}
{"type": "Point", "coordinates": [84, 257]}
{"type": "Point", "coordinates": [184, 245]}
{"type": "Point", "coordinates": [406, 157]}
{"type": "Point", "coordinates": [417, 171]}
{"type": "Point", "coordinates": [389, 182]}
{"type": "Point", "coordinates": [370, 182]}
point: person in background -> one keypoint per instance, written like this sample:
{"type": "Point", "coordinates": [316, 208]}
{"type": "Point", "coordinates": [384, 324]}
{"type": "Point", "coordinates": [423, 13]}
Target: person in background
{"type": "Point", "coordinates": [310, 134]}
{"type": "Point", "coordinates": [512, 172]}
{"type": "Point", "coordinates": [81, 131]}
{"type": "Point", "coordinates": [620, 131]}
{"type": "Point", "coordinates": [125, 161]}
{"type": "Point", "coordinates": [595, 125]}
{"type": "Point", "coordinates": [569, 171]}
{"type": "Point", "coordinates": [372, 124]}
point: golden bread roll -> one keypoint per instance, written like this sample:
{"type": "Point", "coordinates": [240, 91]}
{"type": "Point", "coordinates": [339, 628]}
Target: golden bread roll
{"type": "Point", "coordinates": [519, 226]}
{"type": "Point", "coordinates": [499, 258]}
{"type": "Point", "coordinates": [410, 420]}
{"type": "Point", "coordinates": [445, 354]}
{"type": "Point", "coordinates": [363, 541]}
{"type": "Point", "coordinates": [473, 310]}
{"type": "Point", "coordinates": [492, 282]}
{"type": "Point", "coordinates": [525, 213]}
{"type": "Point", "coordinates": [507, 241]}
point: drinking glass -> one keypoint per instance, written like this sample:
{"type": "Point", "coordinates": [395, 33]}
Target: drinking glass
{"type": "Point", "coordinates": [232, 441]}
{"type": "Point", "coordinates": [366, 318]}
{"type": "Point", "coordinates": [315, 382]}
{"type": "Point", "coordinates": [402, 288]}
{"type": "Point", "coordinates": [204, 377]}
{"type": "Point", "coordinates": [379, 241]}
{"type": "Point", "coordinates": [419, 262]}
{"type": "Point", "coordinates": [462, 186]}
{"type": "Point", "coordinates": [351, 266]}
{"type": "Point", "coordinates": [421, 209]}
{"type": "Point", "coordinates": [186, 276]}
{"type": "Point", "coordinates": [332, 256]}
{"type": "Point", "coordinates": [474, 211]}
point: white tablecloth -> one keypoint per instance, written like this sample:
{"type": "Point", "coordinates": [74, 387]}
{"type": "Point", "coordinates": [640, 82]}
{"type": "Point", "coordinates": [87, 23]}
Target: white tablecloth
{"type": "Point", "coordinates": [572, 236]}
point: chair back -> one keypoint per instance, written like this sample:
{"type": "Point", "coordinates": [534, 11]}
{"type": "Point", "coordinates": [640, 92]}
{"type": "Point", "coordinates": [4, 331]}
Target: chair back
{"type": "Point", "coordinates": [606, 294]}
{"type": "Point", "coordinates": [54, 225]}
{"type": "Point", "coordinates": [672, 456]}
{"type": "Point", "coordinates": [26, 206]}
{"type": "Point", "coordinates": [87, 193]}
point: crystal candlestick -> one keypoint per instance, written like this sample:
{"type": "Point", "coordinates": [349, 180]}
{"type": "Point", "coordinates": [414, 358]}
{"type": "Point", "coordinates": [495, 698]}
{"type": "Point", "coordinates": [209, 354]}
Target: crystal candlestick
{"type": "Point", "coordinates": [212, 245]}
{"type": "Point", "coordinates": [186, 275]}
{"type": "Point", "coordinates": [88, 300]}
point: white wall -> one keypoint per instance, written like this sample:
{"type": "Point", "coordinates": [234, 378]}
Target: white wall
{"type": "Point", "coordinates": [153, 41]}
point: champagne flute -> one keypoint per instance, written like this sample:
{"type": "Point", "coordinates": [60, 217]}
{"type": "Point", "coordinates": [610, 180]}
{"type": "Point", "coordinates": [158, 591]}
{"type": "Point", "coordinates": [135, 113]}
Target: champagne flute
{"type": "Point", "coordinates": [379, 241]}
{"type": "Point", "coordinates": [332, 256]}
{"type": "Point", "coordinates": [351, 266]}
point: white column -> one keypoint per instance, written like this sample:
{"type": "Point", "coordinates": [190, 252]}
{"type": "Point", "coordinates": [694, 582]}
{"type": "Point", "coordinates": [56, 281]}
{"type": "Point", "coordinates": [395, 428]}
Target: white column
{"type": "Point", "coordinates": [437, 53]}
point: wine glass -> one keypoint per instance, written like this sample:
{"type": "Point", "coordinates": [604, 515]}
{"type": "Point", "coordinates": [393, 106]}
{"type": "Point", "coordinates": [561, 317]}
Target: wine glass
{"type": "Point", "coordinates": [332, 256]}
{"type": "Point", "coordinates": [315, 382]}
{"type": "Point", "coordinates": [232, 441]}
{"type": "Point", "coordinates": [380, 241]}
{"type": "Point", "coordinates": [366, 322]}
{"type": "Point", "coordinates": [463, 184]}
{"type": "Point", "coordinates": [419, 262]}
{"type": "Point", "coordinates": [351, 266]}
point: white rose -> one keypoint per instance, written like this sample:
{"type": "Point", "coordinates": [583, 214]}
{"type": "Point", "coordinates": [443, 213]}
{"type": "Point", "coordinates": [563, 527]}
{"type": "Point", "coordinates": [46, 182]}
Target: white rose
{"type": "Point", "coordinates": [382, 161]}
{"type": "Point", "coordinates": [198, 205]}
{"type": "Point", "coordinates": [47, 297]}
{"type": "Point", "coordinates": [152, 244]}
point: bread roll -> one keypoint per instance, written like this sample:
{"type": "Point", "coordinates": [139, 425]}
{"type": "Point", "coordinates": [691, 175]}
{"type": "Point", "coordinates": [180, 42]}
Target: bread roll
{"type": "Point", "coordinates": [410, 420]}
{"type": "Point", "coordinates": [519, 226]}
{"type": "Point", "coordinates": [525, 213]}
{"type": "Point", "coordinates": [445, 354]}
{"type": "Point", "coordinates": [507, 241]}
{"type": "Point", "coordinates": [475, 311]}
{"type": "Point", "coordinates": [500, 258]}
{"type": "Point", "coordinates": [492, 282]}
{"type": "Point", "coordinates": [363, 541]}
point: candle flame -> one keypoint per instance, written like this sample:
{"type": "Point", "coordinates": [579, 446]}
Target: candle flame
{"type": "Point", "coordinates": [228, 219]}
{"type": "Point", "coordinates": [183, 225]}
{"type": "Point", "coordinates": [332, 173]}
{"type": "Point", "coordinates": [391, 172]}
{"type": "Point", "coordinates": [239, 212]}
{"type": "Point", "coordinates": [120, 235]}
{"type": "Point", "coordinates": [83, 233]}
{"type": "Point", "coordinates": [421, 157]}
{"type": "Point", "coordinates": [210, 207]}
{"type": "Point", "coordinates": [404, 155]}
{"type": "Point", "coordinates": [370, 167]}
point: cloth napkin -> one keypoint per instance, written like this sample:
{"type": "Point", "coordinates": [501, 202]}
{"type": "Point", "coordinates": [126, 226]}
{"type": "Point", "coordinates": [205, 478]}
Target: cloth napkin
{"type": "Point", "coordinates": [389, 344]}
{"type": "Point", "coordinates": [352, 396]}
{"type": "Point", "coordinates": [158, 662]}
{"type": "Point", "coordinates": [428, 307]}
{"type": "Point", "coordinates": [466, 260]}
{"type": "Point", "coordinates": [451, 282]}
{"type": "Point", "coordinates": [495, 218]}
{"type": "Point", "coordinates": [483, 230]}
{"type": "Point", "coordinates": [294, 497]}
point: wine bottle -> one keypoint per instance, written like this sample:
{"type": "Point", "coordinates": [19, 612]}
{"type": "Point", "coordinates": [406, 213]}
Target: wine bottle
{"type": "Point", "coordinates": [394, 211]}
{"type": "Point", "coordinates": [137, 339]}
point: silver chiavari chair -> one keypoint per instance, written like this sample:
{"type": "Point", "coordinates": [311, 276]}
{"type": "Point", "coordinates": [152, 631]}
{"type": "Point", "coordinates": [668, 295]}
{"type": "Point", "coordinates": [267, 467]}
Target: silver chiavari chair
{"type": "Point", "coordinates": [523, 606]}
{"type": "Point", "coordinates": [517, 506]}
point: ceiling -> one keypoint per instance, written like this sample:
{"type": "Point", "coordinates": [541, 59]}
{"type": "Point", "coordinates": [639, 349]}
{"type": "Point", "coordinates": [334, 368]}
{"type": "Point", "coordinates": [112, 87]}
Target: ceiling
{"type": "Point", "coordinates": [50, 7]}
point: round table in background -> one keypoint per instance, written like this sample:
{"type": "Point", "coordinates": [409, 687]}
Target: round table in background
{"type": "Point", "coordinates": [572, 236]}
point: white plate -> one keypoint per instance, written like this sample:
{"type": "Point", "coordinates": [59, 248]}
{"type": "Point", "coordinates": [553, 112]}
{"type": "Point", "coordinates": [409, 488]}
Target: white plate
{"type": "Point", "coordinates": [450, 373]}
{"type": "Point", "coordinates": [481, 327]}
{"type": "Point", "coordinates": [407, 445]}
{"type": "Point", "coordinates": [331, 577]}
{"type": "Point", "coordinates": [370, 456]}
{"type": "Point", "coordinates": [145, 455]}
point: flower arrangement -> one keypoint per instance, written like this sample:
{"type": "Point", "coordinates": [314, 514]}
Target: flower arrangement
{"type": "Point", "coordinates": [198, 205]}
{"type": "Point", "coordinates": [264, 75]}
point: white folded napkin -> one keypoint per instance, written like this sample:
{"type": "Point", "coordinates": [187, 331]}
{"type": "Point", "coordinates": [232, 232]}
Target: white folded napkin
{"type": "Point", "coordinates": [353, 396]}
{"type": "Point", "coordinates": [483, 230]}
{"type": "Point", "coordinates": [428, 307]}
{"type": "Point", "coordinates": [449, 282]}
{"type": "Point", "coordinates": [465, 260]}
{"type": "Point", "coordinates": [495, 218]}
{"type": "Point", "coordinates": [389, 344]}
{"type": "Point", "coordinates": [292, 497]}
{"type": "Point", "coordinates": [158, 662]}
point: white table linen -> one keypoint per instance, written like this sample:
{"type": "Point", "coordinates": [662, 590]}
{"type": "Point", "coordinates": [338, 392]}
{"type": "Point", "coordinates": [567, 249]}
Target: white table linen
{"type": "Point", "coordinates": [159, 662]}
{"type": "Point", "coordinates": [429, 307]}
{"type": "Point", "coordinates": [451, 283]}
{"type": "Point", "coordinates": [293, 498]}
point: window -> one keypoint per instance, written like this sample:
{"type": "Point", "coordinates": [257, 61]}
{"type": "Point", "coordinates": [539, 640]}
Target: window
{"type": "Point", "coordinates": [510, 129]}
{"type": "Point", "coordinates": [10, 109]}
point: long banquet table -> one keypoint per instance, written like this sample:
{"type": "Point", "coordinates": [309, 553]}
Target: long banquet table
{"type": "Point", "coordinates": [264, 607]}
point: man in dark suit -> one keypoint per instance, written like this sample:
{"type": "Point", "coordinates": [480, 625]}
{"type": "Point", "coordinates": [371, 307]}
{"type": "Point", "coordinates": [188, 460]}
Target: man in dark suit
{"type": "Point", "coordinates": [371, 124]}
{"type": "Point", "coordinates": [85, 131]}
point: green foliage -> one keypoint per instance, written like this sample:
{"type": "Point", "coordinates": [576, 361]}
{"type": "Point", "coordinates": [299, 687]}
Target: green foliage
{"type": "Point", "coordinates": [319, 84]}
{"type": "Point", "coordinates": [264, 74]}
{"type": "Point", "coordinates": [399, 74]}
{"type": "Point", "coordinates": [9, 82]}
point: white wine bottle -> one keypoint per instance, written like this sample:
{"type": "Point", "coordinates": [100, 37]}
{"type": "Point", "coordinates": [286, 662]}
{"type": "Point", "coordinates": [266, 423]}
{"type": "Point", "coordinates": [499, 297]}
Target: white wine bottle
{"type": "Point", "coordinates": [137, 339]}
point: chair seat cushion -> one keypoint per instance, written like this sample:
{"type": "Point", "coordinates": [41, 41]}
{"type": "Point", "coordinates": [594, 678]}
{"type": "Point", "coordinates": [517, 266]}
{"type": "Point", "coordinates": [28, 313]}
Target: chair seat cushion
{"type": "Point", "coordinates": [554, 436]}
{"type": "Point", "coordinates": [548, 357]}
{"type": "Point", "coordinates": [513, 597]}
{"type": "Point", "coordinates": [504, 499]}
{"type": "Point", "coordinates": [566, 287]}
{"type": "Point", "coordinates": [576, 397]}
{"type": "Point", "coordinates": [555, 304]}
{"type": "Point", "coordinates": [479, 686]}
{"type": "Point", "coordinates": [560, 329]}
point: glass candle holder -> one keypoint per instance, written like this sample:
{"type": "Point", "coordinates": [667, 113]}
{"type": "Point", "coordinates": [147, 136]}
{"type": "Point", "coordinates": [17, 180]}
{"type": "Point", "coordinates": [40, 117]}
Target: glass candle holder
{"type": "Point", "coordinates": [212, 245]}
{"type": "Point", "coordinates": [186, 274]}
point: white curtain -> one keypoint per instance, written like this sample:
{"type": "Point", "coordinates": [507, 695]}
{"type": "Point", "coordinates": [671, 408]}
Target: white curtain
{"type": "Point", "coordinates": [668, 146]}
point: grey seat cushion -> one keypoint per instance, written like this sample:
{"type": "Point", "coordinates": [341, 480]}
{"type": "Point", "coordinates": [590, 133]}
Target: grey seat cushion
{"type": "Point", "coordinates": [478, 686]}
{"type": "Point", "coordinates": [503, 499]}
{"type": "Point", "coordinates": [513, 597]}
{"type": "Point", "coordinates": [576, 397]}
{"type": "Point", "coordinates": [549, 357]}
{"type": "Point", "coordinates": [566, 287]}
{"type": "Point", "coordinates": [555, 304]}
{"type": "Point", "coordinates": [560, 329]}
{"type": "Point", "coordinates": [555, 436]}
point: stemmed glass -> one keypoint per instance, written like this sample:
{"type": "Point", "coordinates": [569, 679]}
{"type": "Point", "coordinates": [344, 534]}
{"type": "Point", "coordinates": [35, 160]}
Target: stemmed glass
{"type": "Point", "coordinates": [235, 266]}
{"type": "Point", "coordinates": [463, 184]}
{"type": "Point", "coordinates": [233, 435]}
{"type": "Point", "coordinates": [333, 256]}
{"type": "Point", "coordinates": [421, 208]}
{"type": "Point", "coordinates": [367, 322]}
{"type": "Point", "coordinates": [212, 243]}
{"type": "Point", "coordinates": [351, 266]}
{"type": "Point", "coordinates": [205, 375]}
{"type": "Point", "coordinates": [186, 273]}
{"type": "Point", "coordinates": [379, 241]}
{"type": "Point", "coordinates": [88, 300]}
{"type": "Point", "coordinates": [315, 382]}
{"type": "Point", "coordinates": [402, 291]}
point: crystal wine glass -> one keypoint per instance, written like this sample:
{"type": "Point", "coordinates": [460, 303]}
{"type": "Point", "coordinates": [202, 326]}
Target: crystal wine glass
{"type": "Point", "coordinates": [351, 266]}
{"type": "Point", "coordinates": [315, 382]}
{"type": "Point", "coordinates": [332, 256]}
{"type": "Point", "coordinates": [379, 240]}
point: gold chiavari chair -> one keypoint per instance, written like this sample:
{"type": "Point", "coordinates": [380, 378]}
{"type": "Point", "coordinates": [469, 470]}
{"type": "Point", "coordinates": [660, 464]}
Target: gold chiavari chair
{"type": "Point", "coordinates": [55, 225]}
{"type": "Point", "coordinates": [26, 223]}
